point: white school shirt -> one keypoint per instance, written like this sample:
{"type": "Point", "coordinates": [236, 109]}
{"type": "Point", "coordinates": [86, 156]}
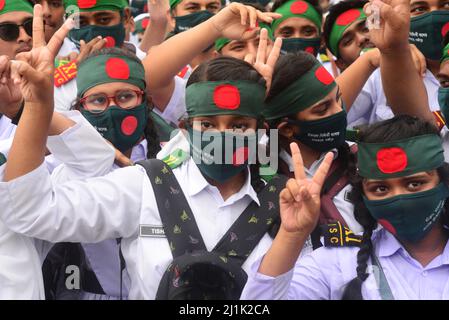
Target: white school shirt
{"type": "Point", "coordinates": [21, 257]}
{"type": "Point", "coordinates": [115, 206]}
{"type": "Point", "coordinates": [323, 274]}
{"type": "Point", "coordinates": [176, 107]}
{"type": "Point", "coordinates": [344, 206]}
{"type": "Point", "coordinates": [371, 104]}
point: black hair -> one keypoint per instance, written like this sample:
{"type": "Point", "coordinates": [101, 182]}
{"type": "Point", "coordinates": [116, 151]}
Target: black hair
{"type": "Point", "coordinates": [150, 132]}
{"type": "Point", "coordinates": [314, 3]}
{"type": "Point", "coordinates": [229, 68]}
{"type": "Point", "coordinates": [334, 12]}
{"type": "Point", "coordinates": [399, 127]}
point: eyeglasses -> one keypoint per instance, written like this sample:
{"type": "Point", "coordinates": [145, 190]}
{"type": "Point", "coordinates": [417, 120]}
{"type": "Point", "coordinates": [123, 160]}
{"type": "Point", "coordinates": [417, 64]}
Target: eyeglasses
{"type": "Point", "coordinates": [11, 31]}
{"type": "Point", "coordinates": [99, 102]}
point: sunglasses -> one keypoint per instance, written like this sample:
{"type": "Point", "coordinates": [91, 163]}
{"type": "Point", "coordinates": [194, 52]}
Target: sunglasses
{"type": "Point", "coordinates": [11, 31]}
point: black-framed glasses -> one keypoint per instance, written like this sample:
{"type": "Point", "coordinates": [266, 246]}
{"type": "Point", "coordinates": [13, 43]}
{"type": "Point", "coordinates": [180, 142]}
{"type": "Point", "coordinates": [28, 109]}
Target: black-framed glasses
{"type": "Point", "coordinates": [99, 102]}
{"type": "Point", "coordinates": [11, 31]}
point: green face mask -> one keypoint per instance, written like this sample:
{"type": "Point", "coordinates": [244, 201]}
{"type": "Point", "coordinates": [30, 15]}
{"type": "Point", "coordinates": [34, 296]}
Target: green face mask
{"type": "Point", "coordinates": [189, 21]}
{"type": "Point", "coordinates": [409, 216]}
{"type": "Point", "coordinates": [293, 45]}
{"type": "Point", "coordinates": [323, 134]}
{"type": "Point", "coordinates": [115, 35]}
{"type": "Point", "coordinates": [122, 127]}
{"type": "Point", "coordinates": [427, 32]}
{"type": "Point", "coordinates": [221, 155]}
{"type": "Point", "coordinates": [443, 99]}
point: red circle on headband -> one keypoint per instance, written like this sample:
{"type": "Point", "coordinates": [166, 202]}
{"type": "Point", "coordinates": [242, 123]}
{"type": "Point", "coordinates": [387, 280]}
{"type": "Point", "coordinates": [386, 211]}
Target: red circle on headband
{"type": "Point", "coordinates": [2, 4]}
{"type": "Point", "coordinates": [445, 29]}
{"type": "Point", "coordinates": [110, 42]}
{"type": "Point", "coordinates": [310, 50]}
{"type": "Point", "coordinates": [86, 4]}
{"type": "Point", "coordinates": [323, 76]}
{"type": "Point", "coordinates": [117, 68]}
{"type": "Point", "coordinates": [348, 17]}
{"type": "Point", "coordinates": [240, 156]}
{"type": "Point", "coordinates": [299, 7]}
{"type": "Point", "coordinates": [129, 125]}
{"type": "Point", "coordinates": [227, 96]}
{"type": "Point", "coordinates": [391, 160]}
{"type": "Point", "coordinates": [388, 226]}
{"type": "Point", "coordinates": [145, 22]}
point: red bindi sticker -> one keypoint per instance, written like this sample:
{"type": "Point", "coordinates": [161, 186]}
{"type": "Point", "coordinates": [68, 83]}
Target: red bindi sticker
{"type": "Point", "coordinates": [129, 125]}
{"type": "Point", "coordinates": [348, 17]}
{"type": "Point", "coordinates": [391, 160]}
{"type": "Point", "coordinates": [323, 76]}
{"type": "Point", "coordinates": [388, 226]}
{"type": "Point", "coordinates": [227, 96]}
{"type": "Point", "coordinates": [240, 156]}
{"type": "Point", "coordinates": [86, 4]}
{"type": "Point", "coordinates": [299, 7]}
{"type": "Point", "coordinates": [117, 68]}
{"type": "Point", "coordinates": [145, 23]}
{"type": "Point", "coordinates": [310, 50]}
{"type": "Point", "coordinates": [110, 42]}
{"type": "Point", "coordinates": [445, 29]}
{"type": "Point", "coordinates": [2, 4]}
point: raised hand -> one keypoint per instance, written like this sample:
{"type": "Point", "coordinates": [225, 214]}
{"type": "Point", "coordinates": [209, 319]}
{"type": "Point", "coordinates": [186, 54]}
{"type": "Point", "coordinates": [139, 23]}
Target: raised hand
{"type": "Point", "coordinates": [10, 94]}
{"type": "Point", "coordinates": [237, 21]}
{"type": "Point", "coordinates": [390, 24]}
{"type": "Point", "coordinates": [300, 200]}
{"type": "Point", "coordinates": [33, 71]}
{"type": "Point", "coordinates": [266, 57]}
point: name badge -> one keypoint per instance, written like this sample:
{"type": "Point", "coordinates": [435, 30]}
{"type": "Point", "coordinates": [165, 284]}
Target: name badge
{"type": "Point", "coordinates": [152, 231]}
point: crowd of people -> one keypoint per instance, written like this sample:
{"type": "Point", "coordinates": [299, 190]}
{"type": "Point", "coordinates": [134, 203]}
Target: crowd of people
{"type": "Point", "coordinates": [212, 149]}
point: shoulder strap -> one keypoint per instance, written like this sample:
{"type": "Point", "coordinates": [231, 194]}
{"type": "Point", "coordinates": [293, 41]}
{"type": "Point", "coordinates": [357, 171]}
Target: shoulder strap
{"type": "Point", "coordinates": [253, 223]}
{"type": "Point", "coordinates": [384, 287]}
{"type": "Point", "coordinates": [179, 223]}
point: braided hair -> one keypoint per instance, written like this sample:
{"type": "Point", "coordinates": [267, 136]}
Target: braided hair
{"type": "Point", "coordinates": [228, 68]}
{"type": "Point", "coordinates": [150, 132]}
{"type": "Point", "coordinates": [399, 127]}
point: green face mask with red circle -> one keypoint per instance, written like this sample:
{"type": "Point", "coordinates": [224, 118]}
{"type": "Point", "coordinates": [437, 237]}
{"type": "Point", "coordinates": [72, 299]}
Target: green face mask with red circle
{"type": "Point", "coordinates": [124, 128]}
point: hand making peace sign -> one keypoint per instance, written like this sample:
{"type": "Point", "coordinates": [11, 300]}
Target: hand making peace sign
{"type": "Point", "coordinates": [300, 200]}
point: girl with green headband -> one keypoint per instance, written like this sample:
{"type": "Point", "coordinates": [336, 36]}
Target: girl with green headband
{"type": "Point", "coordinates": [299, 26]}
{"type": "Point", "coordinates": [127, 203]}
{"type": "Point", "coordinates": [400, 199]}
{"type": "Point", "coordinates": [113, 100]}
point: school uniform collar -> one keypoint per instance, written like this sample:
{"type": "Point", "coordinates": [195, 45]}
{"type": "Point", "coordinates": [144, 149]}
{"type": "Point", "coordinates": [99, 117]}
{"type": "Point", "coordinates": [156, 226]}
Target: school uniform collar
{"type": "Point", "coordinates": [284, 155]}
{"type": "Point", "coordinates": [198, 183]}
{"type": "Point", "coordinates": [388, 245]}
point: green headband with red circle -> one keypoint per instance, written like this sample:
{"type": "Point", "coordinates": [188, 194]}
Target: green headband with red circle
{"type": "Point", "coordinates": [343, 22]}
{"type": "Point", "coordinates": [212, 98]}
{"type": "Point", "coordinates": [400, 158]}
{"type": "Point", "coordinates": [109, 68]}
{"type": "Point", "coordinates": [306, 91]}
{"type": "Point", "coordinates": [295, 8]}
{"type": "Point", "coordinates": [15, 6]}
{"type": "Point", "coordinates": [142, 25]}
{"type": "Point", "coordinates": [95, 5]}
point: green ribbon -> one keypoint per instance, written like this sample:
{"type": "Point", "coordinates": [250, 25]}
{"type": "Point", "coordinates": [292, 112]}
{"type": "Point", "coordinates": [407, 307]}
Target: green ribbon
{"type": "Point", "coordinates": [220, 43]}
{"type": "Point", "coordinates": [445, 55]}
{"type": "Point", "coordinates": [211, 98]}
{"type": "Point", "coordinates": [291, 9]}
{"type": "Point", "coordinates": [400, 158]}
{"type": "Point", "coordinates": [15, 6]}
{"type": "Point", "coordinates": [343, 22]}
{"type": "Point", "coordinates": [174, 3]}
{"type": "Point", "coordinates": [96, 5]}
{"type": "Point", "coordinates": [108, 68]}
{"type": "Point", "coordinates": [307, 90]}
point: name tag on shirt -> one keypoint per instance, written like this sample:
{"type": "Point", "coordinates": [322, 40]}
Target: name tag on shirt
{"type": "Point", "coordinates": [152, 231]}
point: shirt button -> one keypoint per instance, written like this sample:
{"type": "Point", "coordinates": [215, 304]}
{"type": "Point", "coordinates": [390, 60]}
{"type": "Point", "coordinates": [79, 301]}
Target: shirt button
{"type": "Point", "coordinates": [424, 273]}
